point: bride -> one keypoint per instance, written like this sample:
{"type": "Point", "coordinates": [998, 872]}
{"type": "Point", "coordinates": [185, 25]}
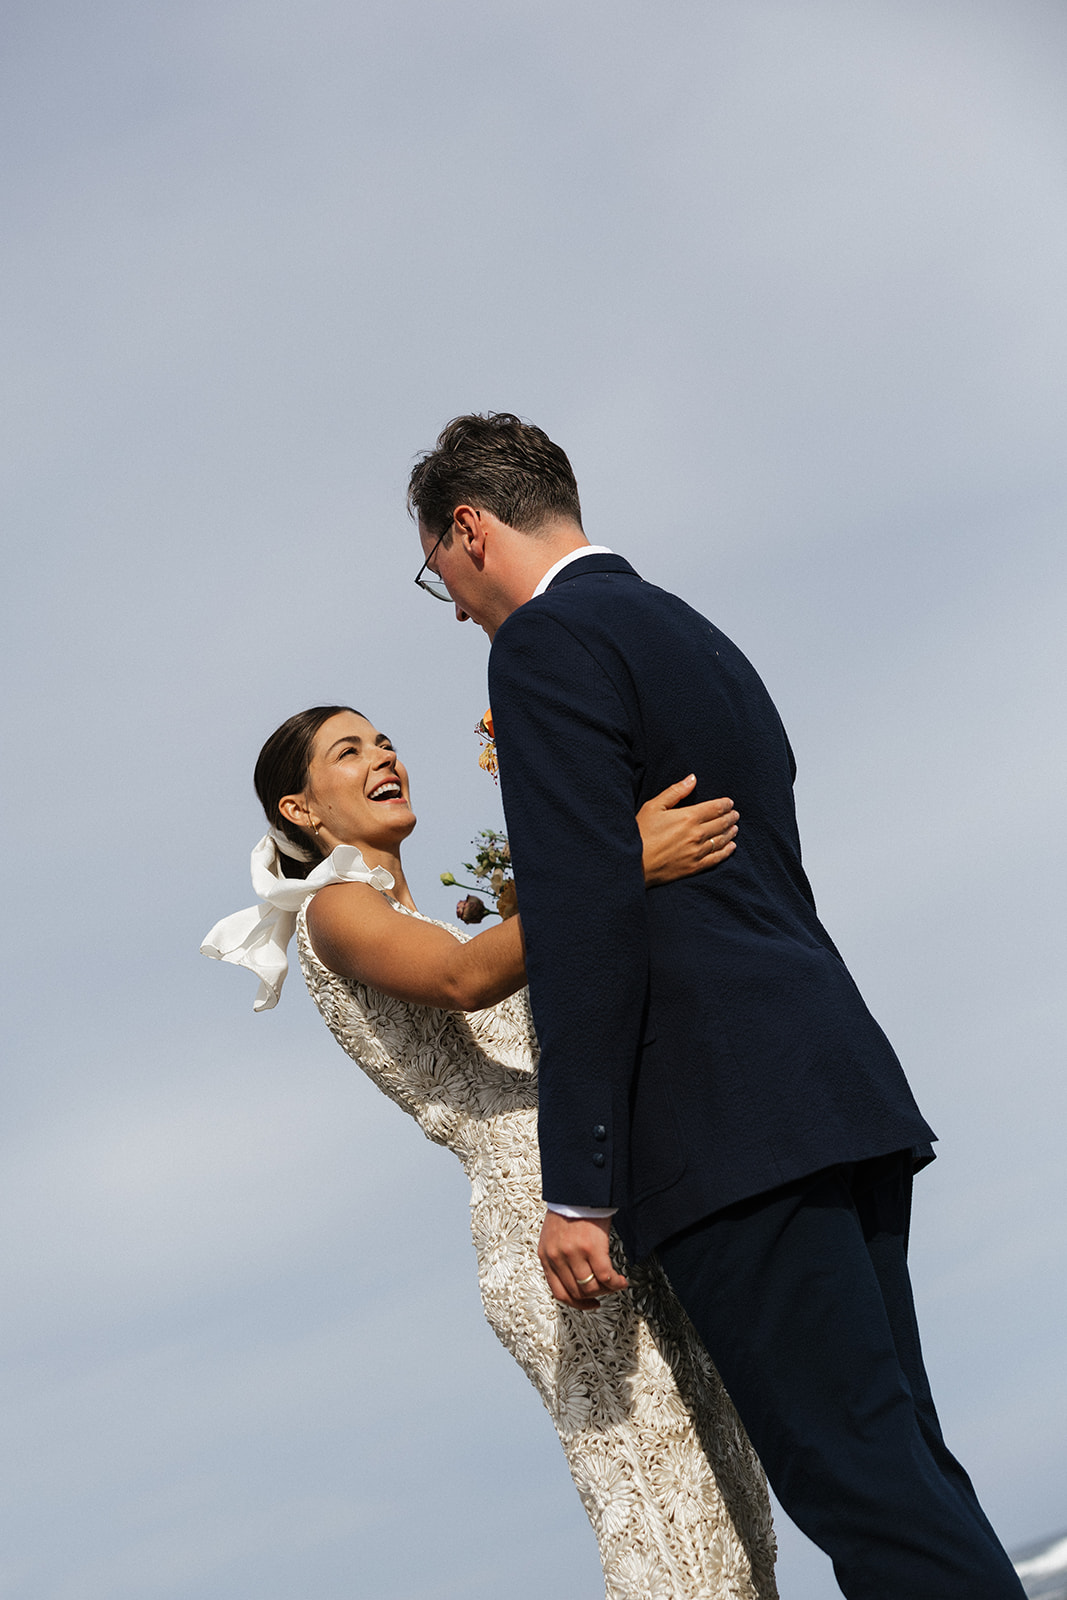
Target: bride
{"type": "Point", "coordinates": [439, 1021]}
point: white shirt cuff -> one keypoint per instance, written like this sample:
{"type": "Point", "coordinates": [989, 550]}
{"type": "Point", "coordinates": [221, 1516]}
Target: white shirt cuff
{"type": "Point", "coordinates": [581, 1211]}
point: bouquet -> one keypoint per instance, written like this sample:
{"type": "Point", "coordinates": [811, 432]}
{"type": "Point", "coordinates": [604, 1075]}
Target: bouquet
{"type": "Point", "coordinates": [492, 861]}
{"type": "Point", "coordinates": [492, 866]}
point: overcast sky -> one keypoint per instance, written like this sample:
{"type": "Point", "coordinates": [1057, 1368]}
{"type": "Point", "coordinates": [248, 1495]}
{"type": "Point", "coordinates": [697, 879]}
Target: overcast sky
{"type": "Point", "coordinates": [787, 282]}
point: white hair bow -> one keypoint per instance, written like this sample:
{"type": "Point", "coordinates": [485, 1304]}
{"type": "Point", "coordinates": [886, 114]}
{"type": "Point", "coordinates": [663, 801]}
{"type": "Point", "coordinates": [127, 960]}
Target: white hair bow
{"type": "Point", "coordinates": [259, 937]}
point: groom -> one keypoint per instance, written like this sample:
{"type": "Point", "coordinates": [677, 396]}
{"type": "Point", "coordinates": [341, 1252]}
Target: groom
{"type": "Point", "coordinates": [710, 1076]}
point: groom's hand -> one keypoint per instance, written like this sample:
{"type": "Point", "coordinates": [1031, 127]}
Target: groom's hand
{"type": "Point", "coordinates": [571, 1249]}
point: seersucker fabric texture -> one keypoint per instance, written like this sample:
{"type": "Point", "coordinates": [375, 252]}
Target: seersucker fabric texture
{"type": "Point", "coordinates": [672, 1487]}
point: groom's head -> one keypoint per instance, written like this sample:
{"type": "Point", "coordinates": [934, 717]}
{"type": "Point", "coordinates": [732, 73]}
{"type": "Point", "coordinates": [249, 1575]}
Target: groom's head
{"type": "Point", "coordinates": [498, 464]}
{"type": "Point", "coordinates": [496, 504]}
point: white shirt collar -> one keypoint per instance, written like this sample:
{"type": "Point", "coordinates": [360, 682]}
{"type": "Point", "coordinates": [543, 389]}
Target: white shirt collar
{"type": "Point", "coordinates": [565, 561]}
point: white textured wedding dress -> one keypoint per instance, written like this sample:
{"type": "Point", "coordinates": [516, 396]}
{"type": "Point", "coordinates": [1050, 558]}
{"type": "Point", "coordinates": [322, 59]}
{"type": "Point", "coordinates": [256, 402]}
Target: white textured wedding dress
{"type": "Point", "coordinates": [672, 1487]}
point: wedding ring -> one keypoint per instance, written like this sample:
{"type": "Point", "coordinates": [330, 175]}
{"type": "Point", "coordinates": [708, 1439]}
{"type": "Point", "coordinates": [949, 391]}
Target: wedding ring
{"type": "Point", "coordinates": [580, 1281]}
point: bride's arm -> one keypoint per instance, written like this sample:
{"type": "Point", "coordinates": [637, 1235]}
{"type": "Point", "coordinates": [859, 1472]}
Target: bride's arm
{"type": "Point", "coordinates": [357, 934]}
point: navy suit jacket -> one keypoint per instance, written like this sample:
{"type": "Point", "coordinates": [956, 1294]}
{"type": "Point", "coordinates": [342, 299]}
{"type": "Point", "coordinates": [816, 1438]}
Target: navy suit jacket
{"type": "Point", "coordinates": [701, 1042]}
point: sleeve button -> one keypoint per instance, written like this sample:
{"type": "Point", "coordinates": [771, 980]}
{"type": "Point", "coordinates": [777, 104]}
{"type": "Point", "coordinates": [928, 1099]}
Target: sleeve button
{"type": "Point", "coordinates": [598, 1159]}
{"type": "Point", "coordinates": [600, 1132]}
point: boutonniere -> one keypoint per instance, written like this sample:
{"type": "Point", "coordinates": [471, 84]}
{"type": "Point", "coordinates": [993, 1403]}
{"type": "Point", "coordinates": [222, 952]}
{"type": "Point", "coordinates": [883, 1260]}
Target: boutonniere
{"type": "Point", "coordinates": [487, 760]}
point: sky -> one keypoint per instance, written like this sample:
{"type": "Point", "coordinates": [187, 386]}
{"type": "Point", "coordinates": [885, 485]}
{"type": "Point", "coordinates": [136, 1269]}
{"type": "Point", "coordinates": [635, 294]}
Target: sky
{"type": "Point", "coordinates": [786, 280]}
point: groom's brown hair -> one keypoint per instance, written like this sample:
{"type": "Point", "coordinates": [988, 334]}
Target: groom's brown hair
{"type": "Point", "coordinates": [495, 463]}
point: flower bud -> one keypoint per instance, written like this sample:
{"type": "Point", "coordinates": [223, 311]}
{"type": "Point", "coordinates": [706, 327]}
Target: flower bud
{"type": "Point", "coordinates": [447, 879]}
{"type": "Point", "coordinates": [472, 909]}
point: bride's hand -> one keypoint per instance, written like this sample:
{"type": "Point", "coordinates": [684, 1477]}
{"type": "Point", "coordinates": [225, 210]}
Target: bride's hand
{"type": "Point", "coordinates": [678, 840]}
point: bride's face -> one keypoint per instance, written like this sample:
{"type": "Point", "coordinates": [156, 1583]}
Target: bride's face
{"type": "Point", "coordinates": [357, 788]}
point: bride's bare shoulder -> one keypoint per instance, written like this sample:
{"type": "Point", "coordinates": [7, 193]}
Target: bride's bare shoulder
{"type": "Point", "coordinates": [342, 916]}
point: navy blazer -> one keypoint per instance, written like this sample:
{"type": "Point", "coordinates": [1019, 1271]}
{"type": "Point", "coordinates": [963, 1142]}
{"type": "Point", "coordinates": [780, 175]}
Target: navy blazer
{"type": "Point", "coordinates": [701, 1042]}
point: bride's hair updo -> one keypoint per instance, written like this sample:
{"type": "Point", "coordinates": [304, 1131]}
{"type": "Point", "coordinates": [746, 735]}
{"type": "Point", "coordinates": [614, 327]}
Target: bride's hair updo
{"type": "Point", "coordinates": [282, 769]}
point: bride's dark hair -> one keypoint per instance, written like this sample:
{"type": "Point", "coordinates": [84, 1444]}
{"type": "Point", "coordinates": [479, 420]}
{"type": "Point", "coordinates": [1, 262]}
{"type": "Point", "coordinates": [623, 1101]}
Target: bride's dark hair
{"type": "Point", "coordinates": [282, 768]}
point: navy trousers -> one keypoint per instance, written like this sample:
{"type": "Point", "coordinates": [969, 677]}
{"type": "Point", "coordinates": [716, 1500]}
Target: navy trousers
{"type": "Point", "coordinates": [803, 1300]}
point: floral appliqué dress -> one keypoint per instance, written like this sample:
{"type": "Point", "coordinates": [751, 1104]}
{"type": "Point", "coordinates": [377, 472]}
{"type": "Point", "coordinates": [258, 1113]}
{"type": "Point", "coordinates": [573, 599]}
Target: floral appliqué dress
{"type": "Point", "coordinates": [672, 1487]}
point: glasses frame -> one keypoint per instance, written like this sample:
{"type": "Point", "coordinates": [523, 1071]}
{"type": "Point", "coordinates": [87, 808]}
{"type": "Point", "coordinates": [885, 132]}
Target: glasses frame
{"type": "Point", "coordinates": [433, 584]}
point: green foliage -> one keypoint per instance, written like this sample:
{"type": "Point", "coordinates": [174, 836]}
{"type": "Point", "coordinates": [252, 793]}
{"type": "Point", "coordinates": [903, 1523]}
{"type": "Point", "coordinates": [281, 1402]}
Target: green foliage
{"type": "Point", "coordinates": [492, 861]}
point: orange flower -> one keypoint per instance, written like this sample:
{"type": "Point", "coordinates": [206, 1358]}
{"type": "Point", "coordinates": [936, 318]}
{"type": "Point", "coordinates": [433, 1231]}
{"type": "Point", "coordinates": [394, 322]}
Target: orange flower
{"type": "Point", "coordinates": [507, 901]}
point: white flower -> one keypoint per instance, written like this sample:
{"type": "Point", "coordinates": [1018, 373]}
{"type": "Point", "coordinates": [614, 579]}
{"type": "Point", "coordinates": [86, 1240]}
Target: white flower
{"type": "Point", "coordinates": [539, 1309]}
{"type": "Point", "coordinates": [656, 1402]}
{"type": "Point", "coordinates": [572, 1386]}
{"type": "Point", "coordinates": [540, 1368]}
{"type": "Point", "coordinates": [423, 1077]}
{"type": "Point", "coordinates": [607, 1490]}
{"type": "Point", "coordinates": [683, 1481]}
{"type": "Point", "coordinates": [502, 1245]}
{"type": "Point", "coordinates": [437, 1122]}
{"type": "Point", "coordinates": [639, 1575]}
{"type": "Point", "coordinates": [712, 1558]}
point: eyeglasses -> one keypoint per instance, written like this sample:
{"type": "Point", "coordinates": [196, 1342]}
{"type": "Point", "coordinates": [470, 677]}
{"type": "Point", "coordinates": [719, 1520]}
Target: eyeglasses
{"type": "Point", "coordinates": [433, 584]}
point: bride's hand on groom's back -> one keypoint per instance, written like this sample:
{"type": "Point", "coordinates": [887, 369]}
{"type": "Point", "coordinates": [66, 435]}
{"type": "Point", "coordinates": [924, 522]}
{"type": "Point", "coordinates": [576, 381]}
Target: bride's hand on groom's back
{"type": "Point", "coordinates": [679, 840]}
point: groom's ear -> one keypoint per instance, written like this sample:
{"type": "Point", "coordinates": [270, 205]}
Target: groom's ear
{"type": "Point", "coordinates": [472, 525]}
